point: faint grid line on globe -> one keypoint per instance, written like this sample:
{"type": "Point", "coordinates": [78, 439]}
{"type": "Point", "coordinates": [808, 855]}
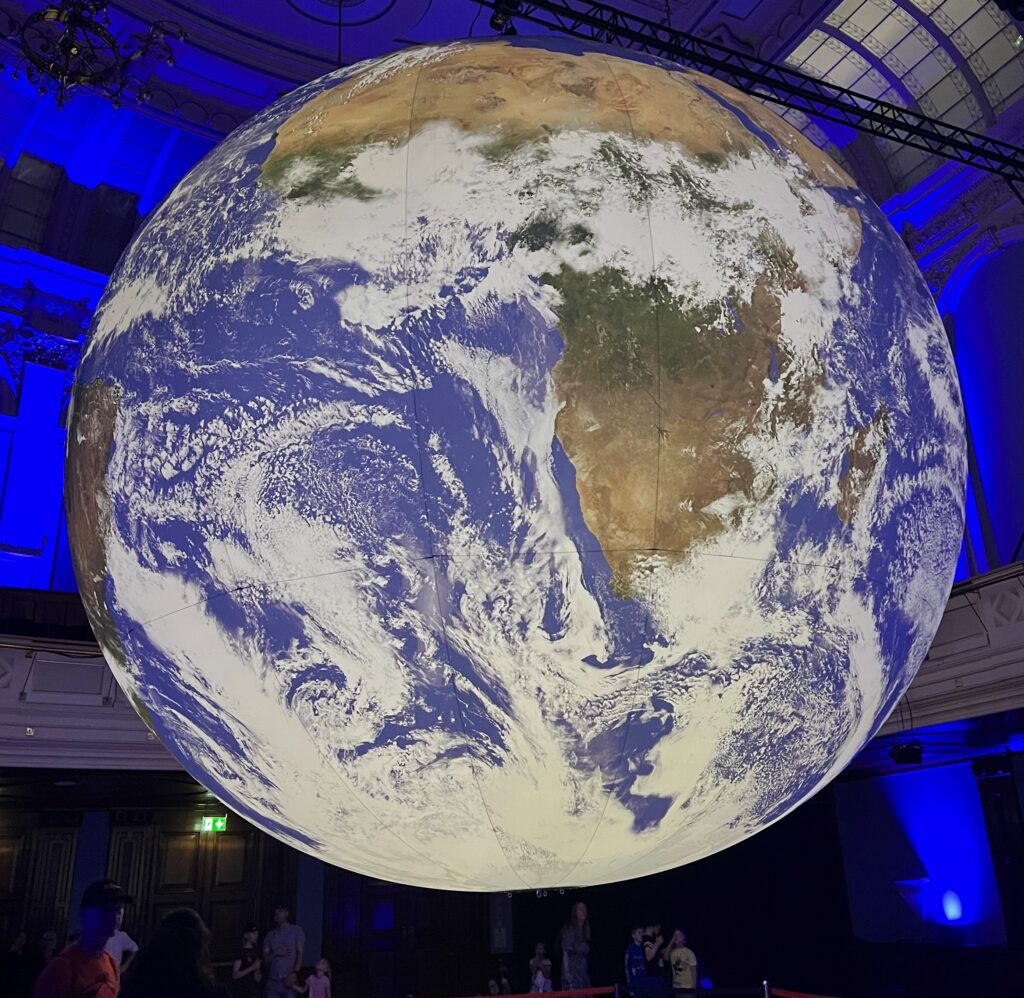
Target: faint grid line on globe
{"type": "Point", "coordinates": [515, 464]}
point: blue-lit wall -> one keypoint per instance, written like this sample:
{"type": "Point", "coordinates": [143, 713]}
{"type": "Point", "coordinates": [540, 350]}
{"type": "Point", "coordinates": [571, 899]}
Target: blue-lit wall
{"type": "Point", "coordinates": [44, 308]}
{"type": "Point", "coordinates": [979, 302]}
{"type": "Point", "coordinates": [917, 860]}
{"type": "Point", "coordinates": [95, 142]}
{"type": "Point", "coordinates": [32, 533]}
{"type": "Point", "coordinates": [45, 304]}
{"type": "Point", "coordinates": [985, 306]}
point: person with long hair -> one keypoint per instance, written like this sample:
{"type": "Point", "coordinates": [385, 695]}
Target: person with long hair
{"type": "Point", "coordinates": [540, 953]}
{"type": "Point", "coordinates": [575, 940]}
{"type": "Point", "coordinates": [176, 962]}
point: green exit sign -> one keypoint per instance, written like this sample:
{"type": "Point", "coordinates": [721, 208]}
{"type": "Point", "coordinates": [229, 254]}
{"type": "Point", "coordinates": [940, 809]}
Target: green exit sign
{"type": "Point", "coordinates": [215, 824]}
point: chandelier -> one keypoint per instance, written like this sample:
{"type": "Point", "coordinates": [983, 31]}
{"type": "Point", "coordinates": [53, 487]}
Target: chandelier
{"type": "Point", "coordinates": [69, 45]}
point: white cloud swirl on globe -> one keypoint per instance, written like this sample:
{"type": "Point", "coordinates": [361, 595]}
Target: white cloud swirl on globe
{"type": "Point", "coordinates": [445, 681]}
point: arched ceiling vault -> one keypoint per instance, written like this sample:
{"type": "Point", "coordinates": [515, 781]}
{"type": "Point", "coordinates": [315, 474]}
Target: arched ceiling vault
{"type": "Point", "coordinates": [961, 61]}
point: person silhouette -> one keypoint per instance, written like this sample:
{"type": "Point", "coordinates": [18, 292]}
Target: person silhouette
{"type": "Point", "coordinates": [85, 969]}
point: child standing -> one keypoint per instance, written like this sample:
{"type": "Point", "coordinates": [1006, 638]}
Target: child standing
{"type": "Point", "coordinates": [540, 952]}
{"type": "Point", "coordinates": [541, 983]}
{"type": "Point", "coordinates": [318, 985]}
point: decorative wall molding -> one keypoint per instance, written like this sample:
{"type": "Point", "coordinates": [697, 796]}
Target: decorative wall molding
{"type": "Point", "coordinates": [796, 21]}
{"type": "Point", "coordinates": [955, 214]}
{"type": "Point", "coordinates": [60, 707]}
{"type": "Point", "coordinates": [958, 213]}
{"type": "Point", "coordinates": [976, 662]}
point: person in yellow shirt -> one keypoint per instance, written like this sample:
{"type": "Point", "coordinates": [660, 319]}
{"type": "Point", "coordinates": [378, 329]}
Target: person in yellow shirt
{"type": "Point", "coordinates": [684, 965]}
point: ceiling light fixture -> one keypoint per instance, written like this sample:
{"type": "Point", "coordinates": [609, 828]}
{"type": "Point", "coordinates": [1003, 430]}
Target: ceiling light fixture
{"type": "Point", "coordinates": [906, 753]}
{"type": "Point", "coordinates": [69, 45]}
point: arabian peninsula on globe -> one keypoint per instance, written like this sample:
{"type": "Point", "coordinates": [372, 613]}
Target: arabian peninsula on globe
{"type": "Point", "coordinates": [515, 464]}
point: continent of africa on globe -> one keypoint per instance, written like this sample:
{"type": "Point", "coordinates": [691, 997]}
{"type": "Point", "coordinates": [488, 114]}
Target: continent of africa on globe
{"type": "Point", "coordinates": [515, 464]}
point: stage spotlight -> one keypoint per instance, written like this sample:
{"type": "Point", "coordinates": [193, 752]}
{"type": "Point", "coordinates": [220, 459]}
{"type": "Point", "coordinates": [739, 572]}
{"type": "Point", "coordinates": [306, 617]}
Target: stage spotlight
{"type": "Point", "coordinates": [905, 753]}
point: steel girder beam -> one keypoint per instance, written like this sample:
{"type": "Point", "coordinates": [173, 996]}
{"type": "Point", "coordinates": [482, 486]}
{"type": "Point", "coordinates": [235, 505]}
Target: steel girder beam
{"type": "Point", "coordinates": [600, 22]}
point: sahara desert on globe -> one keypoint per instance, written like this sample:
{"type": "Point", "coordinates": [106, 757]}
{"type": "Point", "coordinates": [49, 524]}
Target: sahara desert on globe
{"type": "Point", "coordinates": [515, 464]}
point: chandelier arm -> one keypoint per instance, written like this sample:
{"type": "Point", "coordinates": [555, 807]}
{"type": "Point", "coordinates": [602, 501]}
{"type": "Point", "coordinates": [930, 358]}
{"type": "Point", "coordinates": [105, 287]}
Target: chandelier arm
{"type": "Point", "coordinates": [69, 44]}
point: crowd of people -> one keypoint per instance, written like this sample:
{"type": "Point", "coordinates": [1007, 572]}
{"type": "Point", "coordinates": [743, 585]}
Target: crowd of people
{"type": "Point", "coordinates": [103, 961]}
{"type": "Point", "coordinates": [654, 967]}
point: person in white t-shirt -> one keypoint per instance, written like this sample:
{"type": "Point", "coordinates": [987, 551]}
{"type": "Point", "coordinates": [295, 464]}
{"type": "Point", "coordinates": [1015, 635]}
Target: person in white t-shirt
{"type": "Point", "coordinates": [120, 945]}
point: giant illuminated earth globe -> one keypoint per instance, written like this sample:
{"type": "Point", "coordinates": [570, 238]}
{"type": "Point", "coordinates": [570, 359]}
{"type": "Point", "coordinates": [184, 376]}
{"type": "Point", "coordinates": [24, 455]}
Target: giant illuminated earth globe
{"type": "Point", "coordinates": [515, 464]}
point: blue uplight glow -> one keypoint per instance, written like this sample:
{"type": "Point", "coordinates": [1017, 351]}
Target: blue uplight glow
{"type": "Point", "coordinates": [382, 916]}
{"type": "Point", "coordinates": [980, 297]}
{"type": "Point", "coordinates": [951, 906]}
{"type": "Point", "coordinates": [940, 813]}
{"type": "Point", "coordinates": [95, 143]}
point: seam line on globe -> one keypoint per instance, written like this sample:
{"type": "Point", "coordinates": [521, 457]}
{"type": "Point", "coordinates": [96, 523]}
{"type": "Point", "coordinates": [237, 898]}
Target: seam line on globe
{"type": "Point", "coordinates": [856, 576]}
{"type": "Point", "coordinates": [347, 783]}
{"type": "Point", "coordinates": [566, 879]}
{"type": "Point", "coordinates": [343, 782]}
{"type": "Point", "coordinates": [450, 682]}
{"type": "Point", "coordinates": [648, 628]}
{"type": "Point", "coordinates": [822, 784]}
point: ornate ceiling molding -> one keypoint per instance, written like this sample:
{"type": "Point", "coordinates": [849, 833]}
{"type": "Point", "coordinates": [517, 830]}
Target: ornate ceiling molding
{"type": "Point", "coordinates": [964, 217]}
{"type": "Point", "coordinates": [60, 707]}
{"type": "Point", "coordinates": [976, 662]}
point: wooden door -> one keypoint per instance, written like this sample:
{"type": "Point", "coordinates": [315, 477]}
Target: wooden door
{"type": "Point", "coordinates": [13, 877]}
{"type": "Point", "coordinates": [230, 875]}
{"type": "Point", "coordinates": [49, 887]}
{"type": "Point", "coordinates": [129, 864]}
{"type": "Point", "coordinates": [170, 863]}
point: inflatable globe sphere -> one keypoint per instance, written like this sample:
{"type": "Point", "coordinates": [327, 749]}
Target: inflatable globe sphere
{"type": "Point", "coordinates": [515, 464]}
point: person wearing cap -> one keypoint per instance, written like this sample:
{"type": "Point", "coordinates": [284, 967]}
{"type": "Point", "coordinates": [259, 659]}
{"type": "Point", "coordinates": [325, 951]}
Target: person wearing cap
{"type": "Point", "coordinates": [246, 971]}
{"type": "Point", "coordinates": [282, 953]}
{"type": "Point", "coordinates": [85, 969]}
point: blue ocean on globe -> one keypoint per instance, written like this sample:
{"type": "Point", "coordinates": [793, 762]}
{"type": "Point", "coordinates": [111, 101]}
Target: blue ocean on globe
{"type": "Point", "coordinates": [515, 464]}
